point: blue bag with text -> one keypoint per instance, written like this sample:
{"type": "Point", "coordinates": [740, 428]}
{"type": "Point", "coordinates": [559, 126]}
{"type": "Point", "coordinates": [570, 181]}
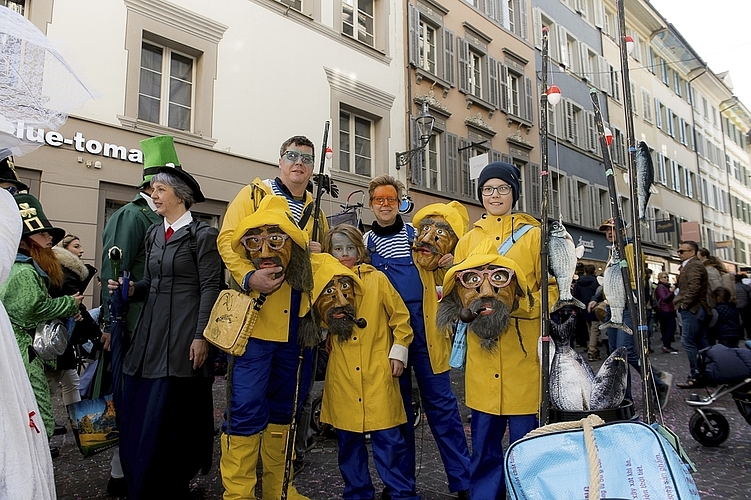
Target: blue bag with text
{"type": "Point", "coordinates": [618, 460]}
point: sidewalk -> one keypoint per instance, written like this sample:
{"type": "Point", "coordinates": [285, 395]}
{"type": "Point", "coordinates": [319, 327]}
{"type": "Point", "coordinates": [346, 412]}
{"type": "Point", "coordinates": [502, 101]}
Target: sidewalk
{"type": "Point", "coordinates": [723, 472]}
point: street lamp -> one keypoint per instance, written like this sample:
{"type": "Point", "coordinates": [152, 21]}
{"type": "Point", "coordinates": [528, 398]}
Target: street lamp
{"type": "Point", "coordinates": [425, 124]}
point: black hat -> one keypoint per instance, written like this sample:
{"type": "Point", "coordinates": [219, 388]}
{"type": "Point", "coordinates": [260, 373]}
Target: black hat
{"type": "Point", "coordinates": [188, 179]}
{"type": "Point", "coordinates": [8, 170]}
{"type": "Point", "coordinates": [500, 170]}
{"type": "Point", "coordinates": [34, 220]}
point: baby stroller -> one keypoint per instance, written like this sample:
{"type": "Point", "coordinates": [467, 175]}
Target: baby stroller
{"type": "Point", "coordinates": [730, 371]}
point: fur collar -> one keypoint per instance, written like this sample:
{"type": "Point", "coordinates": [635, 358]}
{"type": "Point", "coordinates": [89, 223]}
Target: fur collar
{"type": "Point", "coordinates": [71, 262]}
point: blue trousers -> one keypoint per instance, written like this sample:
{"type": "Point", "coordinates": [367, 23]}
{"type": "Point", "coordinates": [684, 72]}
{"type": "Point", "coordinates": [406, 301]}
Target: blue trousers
{"type": "Point", "coordinates": [693, 336]}
{"type": "Point", "coordinates": [389, 451]}
{"type": "Point", "coordinates": [262, 386]}
{"type": "Point", "coordinates": [486, 469]}
{"type": "Point", "coordinates": [441, 408]}
{"type": "Point", "coordinates": [618, 338]}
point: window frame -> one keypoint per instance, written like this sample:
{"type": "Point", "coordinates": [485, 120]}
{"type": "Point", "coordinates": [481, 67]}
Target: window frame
{"type": "Point", "coordinates": [176, 27]}
{"type": "Point", "coordinates": [165, 91]}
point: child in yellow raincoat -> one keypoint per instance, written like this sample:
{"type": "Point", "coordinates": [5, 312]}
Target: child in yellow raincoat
{"type": "Point", "coordinates": [361, 393]}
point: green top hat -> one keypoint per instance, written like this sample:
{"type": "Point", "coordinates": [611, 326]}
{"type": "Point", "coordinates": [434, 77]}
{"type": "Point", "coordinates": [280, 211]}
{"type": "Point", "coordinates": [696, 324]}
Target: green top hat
{"type": "Point", "coordinates": [158, 152]}
{"type": "Point", "coordinates": [8, 170]}
{"type": "Point", "coordinates": [34, 220]}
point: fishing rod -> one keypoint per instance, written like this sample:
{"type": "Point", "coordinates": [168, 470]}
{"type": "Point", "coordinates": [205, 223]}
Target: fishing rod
{"type": "Point", "coordinates": [290, 447]}
{"type": "Point", "coordinates": [640, 332]}
{"type": "Point", "coordinates": [545, 258]}
{"type": "Point", "coordinates": [319, 185]}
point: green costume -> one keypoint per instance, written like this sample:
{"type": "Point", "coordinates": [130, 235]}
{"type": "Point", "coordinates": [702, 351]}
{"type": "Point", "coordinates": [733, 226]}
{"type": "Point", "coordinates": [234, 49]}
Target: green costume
{"type": "Point", "coordinates": [126, 229]}
{"type": "Point", "coordinates": [25, 297]}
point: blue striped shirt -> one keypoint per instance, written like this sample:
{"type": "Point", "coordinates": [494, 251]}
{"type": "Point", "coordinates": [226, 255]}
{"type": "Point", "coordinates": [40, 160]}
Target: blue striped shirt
{"type": "Point", "coordinates": [296, 206]}
{"type": "Point", "coordinates": [391, 247]}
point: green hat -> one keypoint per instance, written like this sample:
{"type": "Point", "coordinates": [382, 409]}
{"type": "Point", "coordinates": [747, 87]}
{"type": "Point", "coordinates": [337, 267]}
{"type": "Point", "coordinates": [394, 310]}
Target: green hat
{"type": "Point", "coordinates": [158, 152]}
{"type": "Point", "coordinates": [34, 220]}
{"type": "Point", "coordinates": [8, 170]}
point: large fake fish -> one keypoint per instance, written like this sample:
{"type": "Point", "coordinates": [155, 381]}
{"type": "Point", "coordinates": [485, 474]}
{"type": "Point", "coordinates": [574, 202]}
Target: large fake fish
{"type": "Point", "coordinates": [570, 376]}
{"type": "Point", "coordinates": [609, 386]}
{"type": "Point", "coordinates": [615, 293]}
{"type": "Point", "coordinates": [645, 177]}
{"type": "Point", "coordinates": [563, 256]}
{"type": "Point", "coordinates": [573, 384]}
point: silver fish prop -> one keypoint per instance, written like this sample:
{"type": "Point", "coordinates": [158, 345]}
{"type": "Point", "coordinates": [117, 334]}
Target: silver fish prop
{"type": "Point", "coordinates": [573, 384]}
{"type": "Point", "coordinates": [609, 386]}
{"type": "Point", "coordinates": [645, 177]}
{"type": "Point", "coordinates": [563, 256]}
{"type": "Point", "coordinates": [615, 293]}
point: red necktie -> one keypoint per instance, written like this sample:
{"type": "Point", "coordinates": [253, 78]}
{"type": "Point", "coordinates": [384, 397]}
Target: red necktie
{"type": "Point", "coordinates": [168, 233]}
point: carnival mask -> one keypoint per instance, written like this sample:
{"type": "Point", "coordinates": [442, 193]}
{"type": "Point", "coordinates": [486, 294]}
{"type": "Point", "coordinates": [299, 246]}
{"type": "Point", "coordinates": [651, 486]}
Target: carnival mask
{"type": "Point", "coordinates": [336, 307]}
{"type": "Point", "coordinates": [484, 298]}
{"type": "Point", "coordinates": [435, 239]}
{"type": "Point", "coordinates": [268, 246]}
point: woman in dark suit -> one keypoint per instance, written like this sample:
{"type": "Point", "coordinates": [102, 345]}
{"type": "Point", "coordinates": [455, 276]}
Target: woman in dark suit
{"type": "Point", "coordinates": [166, 420]}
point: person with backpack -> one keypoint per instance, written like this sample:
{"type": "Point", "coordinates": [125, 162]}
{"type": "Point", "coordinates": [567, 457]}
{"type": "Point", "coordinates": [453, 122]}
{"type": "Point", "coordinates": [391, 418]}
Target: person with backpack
{"type": "Point", "coordinates": [390, 244]}
{"type": "Point", "coordinates": [503, 385]}
{"type": "Point", "coordinates": [166, 418]}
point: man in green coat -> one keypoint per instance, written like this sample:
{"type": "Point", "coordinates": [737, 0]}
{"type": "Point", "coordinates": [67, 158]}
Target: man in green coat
{"type": "Point", "coordinates": [126, 229]}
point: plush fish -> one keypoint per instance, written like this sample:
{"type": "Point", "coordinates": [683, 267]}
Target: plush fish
{"type": "Point", "coordinates": [615, 293]}
{"type": "Point", "coordinates": [609, 386]}
{"type": "Point", "coordinates": [563, 257]}
{"type": "Point", "coordinates": [645, 177]}
{"type": "Point", "coordinates": [573, 384]}
{"type": "Point", "coordinates": [571, 377]}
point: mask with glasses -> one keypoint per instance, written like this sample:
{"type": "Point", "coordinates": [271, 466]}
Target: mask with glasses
{"type": "Point", "coordinates": [293, 156]}
{"type": "Point", "coordinates": [254, 242]}
{"type": "Point", "coordinates": [499, 277]}
{"type": "Point", "coordinates": [489, 190]}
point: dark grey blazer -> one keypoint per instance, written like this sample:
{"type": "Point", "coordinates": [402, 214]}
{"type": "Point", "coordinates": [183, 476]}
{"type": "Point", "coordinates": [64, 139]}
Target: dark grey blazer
{"type": "Point", "coordinates": [180, 290]}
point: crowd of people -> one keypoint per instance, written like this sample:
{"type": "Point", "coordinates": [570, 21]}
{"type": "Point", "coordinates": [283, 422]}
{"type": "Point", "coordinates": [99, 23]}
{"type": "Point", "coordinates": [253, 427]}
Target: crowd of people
{"type": "Point", "coordinates": [376, 295]}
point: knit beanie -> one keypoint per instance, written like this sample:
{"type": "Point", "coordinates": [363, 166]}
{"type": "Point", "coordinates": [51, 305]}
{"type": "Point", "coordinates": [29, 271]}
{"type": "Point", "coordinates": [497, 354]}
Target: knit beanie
{"type": "Point", "coordinates": [500, 170]}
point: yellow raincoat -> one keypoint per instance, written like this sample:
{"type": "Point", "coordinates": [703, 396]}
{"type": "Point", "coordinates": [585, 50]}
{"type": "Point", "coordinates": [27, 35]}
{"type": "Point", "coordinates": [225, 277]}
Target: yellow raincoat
{"type": "Point", "coordinates": [359, 394]}
{"type": "Point", "coordinates": [507, 381]}
{"type": "Point", "coordinates": [273, 319]}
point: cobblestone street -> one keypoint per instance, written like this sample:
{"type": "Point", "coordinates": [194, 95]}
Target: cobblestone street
{"type": "Point", "coordinates": [723, 472]}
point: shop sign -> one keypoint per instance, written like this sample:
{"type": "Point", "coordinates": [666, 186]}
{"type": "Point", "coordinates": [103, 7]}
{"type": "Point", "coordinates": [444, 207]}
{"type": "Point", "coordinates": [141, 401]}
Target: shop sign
{"type": "Point", "coordinates": [79, 143]}
{"type": "Point", "coordinates": [665, 226]}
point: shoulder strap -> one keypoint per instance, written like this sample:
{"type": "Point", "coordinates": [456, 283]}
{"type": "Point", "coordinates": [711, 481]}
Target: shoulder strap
{"type": "Point", "coordinates": [305, 216]}
{"type": "Point", "coordinates": [411, 232]}
{"type": "Point", "coordinates": [509, 242]}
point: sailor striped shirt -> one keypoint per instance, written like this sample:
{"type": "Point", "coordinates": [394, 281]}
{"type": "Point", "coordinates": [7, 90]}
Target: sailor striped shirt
{"type": "Point", "coordinates": [296, 206]}
{"type": "Point", "coordinates": [391, 247]}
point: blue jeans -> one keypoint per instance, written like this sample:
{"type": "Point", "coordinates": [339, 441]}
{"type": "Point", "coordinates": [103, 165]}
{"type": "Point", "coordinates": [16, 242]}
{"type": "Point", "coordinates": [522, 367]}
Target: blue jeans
{"type": "Point", "coordinates": [618, 338]}
{"type": "Point", "coordinates": [693, 336]}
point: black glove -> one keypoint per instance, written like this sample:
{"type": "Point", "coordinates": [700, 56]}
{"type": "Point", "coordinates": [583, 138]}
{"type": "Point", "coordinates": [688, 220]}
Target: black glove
{"type": "Point", "coordinates": [326, 184]}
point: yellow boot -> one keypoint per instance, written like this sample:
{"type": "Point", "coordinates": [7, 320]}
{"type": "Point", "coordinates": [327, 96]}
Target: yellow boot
{"type": "Point", "coordinates": [273, 445]}
{"type": "Point", "coordinates": [238, 466]}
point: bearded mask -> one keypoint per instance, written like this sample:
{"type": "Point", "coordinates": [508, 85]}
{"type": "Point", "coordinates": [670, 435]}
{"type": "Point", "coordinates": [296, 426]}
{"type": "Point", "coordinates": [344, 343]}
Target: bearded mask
{"type": "Point", "coordinates": [269, 246]}
{"type": "Point", "coordinates": [484, 297]}
{"type": "Point", "coordinates": [336, 307]}
{"type": "Point", "coordinates": [435, 239]}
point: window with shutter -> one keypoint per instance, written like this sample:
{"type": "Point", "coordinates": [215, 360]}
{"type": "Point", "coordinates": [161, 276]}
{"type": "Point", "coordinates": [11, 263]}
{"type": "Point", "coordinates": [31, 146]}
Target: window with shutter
{"type": "Point", "coordinates": [504, 89]}
{"type": "Point", "coordinates": [451, 161]}
{"type": "Point", "coordinates": [492, 94]}
{"type": "Point", "coordinates": [448, 57]}
{"type": "Point", "coordinates": [413, 20]}
{"type": "Point", "coordinates": [417, 163]}
{"type": "Point", "coordinates": [529, 99]}
{"type": "Point", "coordinates": [535, 190]}
{"type": "Point", "coordinates": [462, 48]}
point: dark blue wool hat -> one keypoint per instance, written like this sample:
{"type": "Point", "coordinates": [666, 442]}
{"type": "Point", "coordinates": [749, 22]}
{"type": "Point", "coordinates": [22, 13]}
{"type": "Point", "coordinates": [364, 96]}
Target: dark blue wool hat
{"type": "Point", "coordinates": [500, 170]}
